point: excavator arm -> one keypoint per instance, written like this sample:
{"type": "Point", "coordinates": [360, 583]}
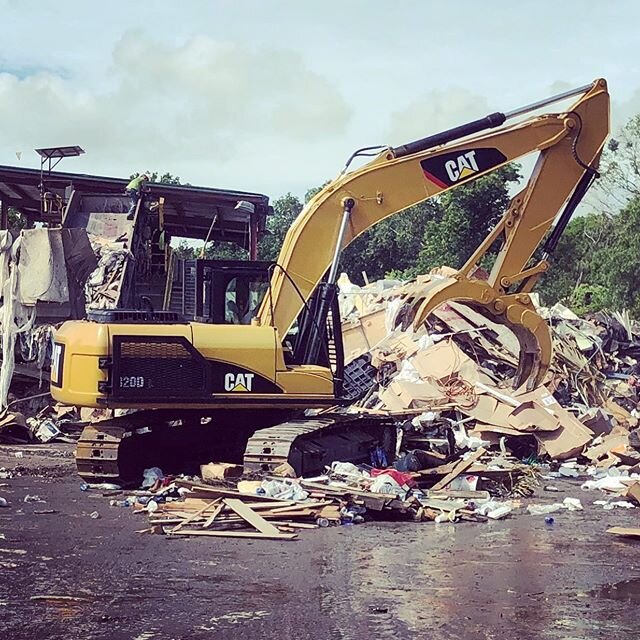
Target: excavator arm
{"type": "Point", "coordinates": [569, 146]}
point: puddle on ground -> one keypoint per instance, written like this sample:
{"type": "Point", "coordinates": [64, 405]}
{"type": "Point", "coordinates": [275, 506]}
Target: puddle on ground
{"type": "Point", "coordinates": [628, 590]}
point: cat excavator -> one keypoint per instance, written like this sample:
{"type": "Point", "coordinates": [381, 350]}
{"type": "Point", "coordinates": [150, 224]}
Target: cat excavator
{"type": "Point", "coordinates": [219, 391]}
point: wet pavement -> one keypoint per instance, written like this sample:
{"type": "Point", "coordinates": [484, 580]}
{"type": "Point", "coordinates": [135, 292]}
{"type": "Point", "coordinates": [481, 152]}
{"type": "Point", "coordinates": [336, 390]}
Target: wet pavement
{"type": "Point", "coordinates": [67, 575]}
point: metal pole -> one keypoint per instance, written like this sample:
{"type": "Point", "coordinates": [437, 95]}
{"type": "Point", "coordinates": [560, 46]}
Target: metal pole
{"type": "Point", "coordinates": [348, 204]}
{"type": "Point", "coordinates": [543, 103]}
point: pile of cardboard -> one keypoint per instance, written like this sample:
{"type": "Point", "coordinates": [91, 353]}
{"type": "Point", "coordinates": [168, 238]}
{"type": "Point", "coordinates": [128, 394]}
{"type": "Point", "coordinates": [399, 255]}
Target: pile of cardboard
{"type": "Point", "coordinates": [456, 372]}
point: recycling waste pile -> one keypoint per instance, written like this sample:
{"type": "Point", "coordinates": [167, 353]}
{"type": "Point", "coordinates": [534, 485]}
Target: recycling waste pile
{"type": "Point", "coordinates": [469, 447]}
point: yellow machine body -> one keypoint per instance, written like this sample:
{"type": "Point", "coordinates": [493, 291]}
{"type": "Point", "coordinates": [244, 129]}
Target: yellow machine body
{"type": "Point", "coordinates": [246, 362]}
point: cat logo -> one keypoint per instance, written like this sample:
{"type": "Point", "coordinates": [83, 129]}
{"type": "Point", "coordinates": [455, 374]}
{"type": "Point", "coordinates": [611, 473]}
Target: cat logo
{"type": "Point", "coordinates": [461, 167]}
{"type": "Point", "coordinates": [238, 381]}
{"type": "Point", "coordinates": [448, 169]}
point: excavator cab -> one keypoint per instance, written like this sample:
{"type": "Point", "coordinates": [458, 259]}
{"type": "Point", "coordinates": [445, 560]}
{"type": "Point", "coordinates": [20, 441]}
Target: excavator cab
{"type": "Point", "coordinates": [229, 291]}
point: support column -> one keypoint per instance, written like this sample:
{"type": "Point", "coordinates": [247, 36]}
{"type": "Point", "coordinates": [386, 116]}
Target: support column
{"type": "Point", "coordinates": [4, 215]}
{"type": "Point", "coordinates": [253, 237]}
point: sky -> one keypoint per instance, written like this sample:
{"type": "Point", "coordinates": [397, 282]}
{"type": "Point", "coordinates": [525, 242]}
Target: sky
{"type": "Point", "coordinates": [274, 95]}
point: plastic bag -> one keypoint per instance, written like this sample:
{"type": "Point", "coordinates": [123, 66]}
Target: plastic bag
{"type": "Point", "coordinates": [283, 490]}
{"type": "Point", "coordinates": [150, 476]}
{"type": "Point", "coordinates": [386, 484]}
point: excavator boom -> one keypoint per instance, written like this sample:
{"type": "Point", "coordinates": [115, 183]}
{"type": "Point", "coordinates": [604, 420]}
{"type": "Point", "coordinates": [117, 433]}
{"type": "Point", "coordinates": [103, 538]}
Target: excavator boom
{"type": "Point", "coordinates": [569, 146]}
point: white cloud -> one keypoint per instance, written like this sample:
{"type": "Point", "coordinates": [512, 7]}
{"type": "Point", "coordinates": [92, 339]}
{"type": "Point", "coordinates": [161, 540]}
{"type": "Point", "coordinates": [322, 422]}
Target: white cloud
{"type": "Point", "coordinates": [202, 101]}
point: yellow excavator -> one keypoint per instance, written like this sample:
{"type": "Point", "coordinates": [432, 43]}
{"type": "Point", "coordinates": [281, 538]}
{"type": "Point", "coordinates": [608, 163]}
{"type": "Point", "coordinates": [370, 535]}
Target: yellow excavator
{"type": "Point", "coordinates": [225, 391]}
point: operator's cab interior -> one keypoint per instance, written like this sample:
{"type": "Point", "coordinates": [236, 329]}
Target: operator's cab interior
{"type": "Point", "coordinates": [230, 291]}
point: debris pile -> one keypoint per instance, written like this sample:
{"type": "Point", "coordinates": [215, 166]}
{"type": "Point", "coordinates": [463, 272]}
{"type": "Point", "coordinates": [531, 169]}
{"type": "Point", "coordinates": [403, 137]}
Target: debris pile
{"type": "Point", "coordinates": [52, 423]}
{"type": "Point", "coordinates": [449, 384]}
{"type": "Point", "coordinates": [103, 286]}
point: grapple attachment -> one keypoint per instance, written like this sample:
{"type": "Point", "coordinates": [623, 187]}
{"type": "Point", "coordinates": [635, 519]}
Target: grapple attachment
{"type": "Point", "coordinates": [516, 311]}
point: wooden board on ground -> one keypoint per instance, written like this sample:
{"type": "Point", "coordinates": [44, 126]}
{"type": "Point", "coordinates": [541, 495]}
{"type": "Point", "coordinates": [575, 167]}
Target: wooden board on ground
{"type": "Point", "coordinates": [237, 534]}
{"type": "Point", "coordinates": [251, 517]}
{"type": "Point", "coordinates": [194, 515]}
{"type": "Point", "coordinates": [459, 468]}
{"type": "Point", "coordinates": [625, 532]}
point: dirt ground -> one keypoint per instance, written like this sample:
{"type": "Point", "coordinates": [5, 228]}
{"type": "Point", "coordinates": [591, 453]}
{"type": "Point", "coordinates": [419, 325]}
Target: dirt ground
{"type": "Point", "coordinates": [518, 578]}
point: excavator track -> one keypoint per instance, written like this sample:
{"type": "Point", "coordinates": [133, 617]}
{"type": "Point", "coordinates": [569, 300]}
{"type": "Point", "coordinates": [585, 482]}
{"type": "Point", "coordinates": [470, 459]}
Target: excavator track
{"type": "Point", "coordinates": [310, 444]}
{"type": "Point", "coordinates": [117, 450]}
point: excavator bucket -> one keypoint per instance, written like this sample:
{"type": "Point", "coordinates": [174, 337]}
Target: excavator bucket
{"type": "Point", "coordinates": [515, 311]}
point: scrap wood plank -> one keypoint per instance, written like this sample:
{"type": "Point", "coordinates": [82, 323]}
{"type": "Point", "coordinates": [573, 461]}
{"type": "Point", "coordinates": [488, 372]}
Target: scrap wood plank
{"type": "Point", "coordinates": [196, 503]}
{"type": "Point", "coordinates": [251, 517]}
{"type": "Point", "coordinates": [238, 534]}
{"type": "Point", "coordinates": [449, 493]}
{"type": "Point", "coordinates": [299, 507]}
{"type": "Point", "coordinates": [199, 491]}
{"type": "Point", "coordinates": [210, 520]}
{"type": "Point", "coordinates": [294, 525]}
{"type": "Point", "coordinates": [459, 468]}
{"type": "Point", "coordinates": [299, 513]}
{"type": "Point", "coordinates": [627, 532]}
{"type": "Point", "coordinates": [194, 515]}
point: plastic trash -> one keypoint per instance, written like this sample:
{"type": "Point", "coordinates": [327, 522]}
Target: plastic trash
{"type": "Point", "coordinates": [609, 506]}
{"type": "Point", "coordinates": [543, 509]}
{"type": "Point", "coordinates": [387, 485]}
{"type": "Point", "coordinates": [119, 503]}
{"type": "Point", "coordinates": [549, 520]}
{"type": "Point", "coordinates": [500, 512]}
{"type": "Point", "coordinates": [608, 483]}
{"type": "Point", "coordinates": [552, 489]}
{"type": "Point", "coordinates": [495, 510]}
{"type": "Point", "coordinates": [152, 506]}
{"type": "Point", "coordinates": [445, 516]}
{"type": "Point", "coordinates": [568, 471]}
{"type": "Point", "coordinates": [47, 431]}
{"type": "Point", "coordinates": [30, 498]}
{"type": "Point", "coordinates": [464, 483]}
{"type": "Point", "coordinates": [3, 502]}
{"type": "Point", "coordinates": [94, 514]}
{"type": "Point", "coordinates": [348, 469]}
{"type": "Point", "coordinates": [572, 504]}
{"type": "Point", "coordinates": [284, 490]}
{"type": "Point", "coordinates": [151, 475]}
{"type": "Point", "coordinates": [101, 486]}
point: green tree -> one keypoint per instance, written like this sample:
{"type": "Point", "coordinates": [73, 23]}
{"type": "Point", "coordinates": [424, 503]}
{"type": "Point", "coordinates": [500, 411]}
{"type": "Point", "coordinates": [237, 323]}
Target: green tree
{"type": "Point", "coordinates": [160, 178]}
{"type": "Point", "coordinates": [390, 247]}
{"type": "Point", "coordinates": [615, 263]}
{"type": "Point", "coordinates": [576, 258]}
{"type": "Point", "coordinates": [588, 298]}
{"type": "Point", "coordinates": [16, 220]}
{"type": "Point", "coordinates": [214, 251]}
{"type": "Point", "coordinates": [464, 219]}
{"type": "Point", "coordinates": [620, 168]}
{"type": "Point", "coordinates": [285, 211]}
